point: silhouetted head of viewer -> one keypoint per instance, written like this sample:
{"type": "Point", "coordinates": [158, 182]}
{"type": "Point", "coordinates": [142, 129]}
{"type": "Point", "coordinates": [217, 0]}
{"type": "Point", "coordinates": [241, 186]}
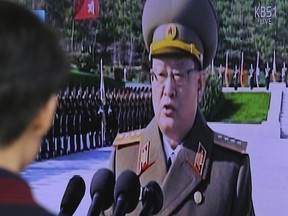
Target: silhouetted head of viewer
{"type": "Point", "coordinates": [33, 68]}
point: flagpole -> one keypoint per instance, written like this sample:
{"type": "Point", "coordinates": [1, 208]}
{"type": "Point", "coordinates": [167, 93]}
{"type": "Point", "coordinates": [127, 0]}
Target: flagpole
{"type": "Point", "coordinates": [242, 70]}
{"type": "Point", "coordinates": [257, 70]}
{"type": "Point", "coordinates": [226, 70]}
{"type": "Point", "coordinates": [72, 35]}
{"type": "Point", "coordinates": [212, 68]}
{"type": "Point", "coordinates": [274, 68]}
{"type": "Point", "coordinates": [103, 101]}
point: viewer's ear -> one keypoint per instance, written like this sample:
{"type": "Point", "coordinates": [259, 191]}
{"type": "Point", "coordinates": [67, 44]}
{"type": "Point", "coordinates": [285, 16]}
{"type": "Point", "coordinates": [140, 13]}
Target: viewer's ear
{"type": "Point", "coordinates": [43, 120]}
{"type": "Point", "coordinates": [201, 85]}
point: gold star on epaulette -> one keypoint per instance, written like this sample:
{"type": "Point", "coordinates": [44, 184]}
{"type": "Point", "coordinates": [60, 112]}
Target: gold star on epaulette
{"type": "Point", "coordinates": [127, 138]}
{"type": "Point", "coordinates": [230, 143]}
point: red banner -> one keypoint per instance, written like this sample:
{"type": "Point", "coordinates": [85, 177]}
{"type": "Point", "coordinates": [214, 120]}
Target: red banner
{"type": "Point", "coordinates": [86, 9]}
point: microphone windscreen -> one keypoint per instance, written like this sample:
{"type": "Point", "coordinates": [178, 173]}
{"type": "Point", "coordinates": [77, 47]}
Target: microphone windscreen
{"type": "Point", "coordinates": [153, 194]}
{"type": "Point", "coordinates": [103, 182]}
{"type": "Point", "coordinates": [128, 184]}
{"type": "Point", "coordinates": [73, 195]}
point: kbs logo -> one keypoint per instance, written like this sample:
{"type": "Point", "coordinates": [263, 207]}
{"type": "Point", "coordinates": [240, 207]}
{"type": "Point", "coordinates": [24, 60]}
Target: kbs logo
{"type": "Point", "coordinates": [265, 14]}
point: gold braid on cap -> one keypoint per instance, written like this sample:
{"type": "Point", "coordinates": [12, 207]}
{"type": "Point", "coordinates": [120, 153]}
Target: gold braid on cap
{"type": "Point", "coordinates": [156, 46]}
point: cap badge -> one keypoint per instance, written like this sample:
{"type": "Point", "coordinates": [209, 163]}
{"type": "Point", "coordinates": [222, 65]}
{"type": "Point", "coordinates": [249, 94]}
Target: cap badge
{"type": "Point", "coordinates": [170, 31]}
{"type": "Point", "coordinates": [200, 159]}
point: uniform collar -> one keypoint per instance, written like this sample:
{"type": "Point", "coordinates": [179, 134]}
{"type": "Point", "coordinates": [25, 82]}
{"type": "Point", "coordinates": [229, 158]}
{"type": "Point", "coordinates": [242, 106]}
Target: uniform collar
{"type": "Point", "coordinates": [200, 134]}
{"type": "Point", "coordinates": [168, 150]}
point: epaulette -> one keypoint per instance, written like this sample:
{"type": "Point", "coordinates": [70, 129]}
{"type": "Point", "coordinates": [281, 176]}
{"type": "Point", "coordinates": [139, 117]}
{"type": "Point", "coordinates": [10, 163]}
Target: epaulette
{"type": "Point", "coordinates": [127, 138]}
{"type": "Point", "coordinates": [230, 143]}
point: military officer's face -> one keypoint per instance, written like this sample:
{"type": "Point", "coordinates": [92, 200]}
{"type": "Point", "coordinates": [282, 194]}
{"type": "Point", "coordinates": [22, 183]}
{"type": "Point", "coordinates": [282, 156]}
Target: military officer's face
{"type": "Point", "coordinates": [177, 85]}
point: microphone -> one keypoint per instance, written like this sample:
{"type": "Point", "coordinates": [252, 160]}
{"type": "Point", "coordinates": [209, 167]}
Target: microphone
{"type": "Point", "coordinates": [152, 199]}
{"type": "Point", "coordinates": [126, 193]}
{"type": "Point", "coordinates": [73, 195]}
{"type": "Point", "coordinates": [101, 191]}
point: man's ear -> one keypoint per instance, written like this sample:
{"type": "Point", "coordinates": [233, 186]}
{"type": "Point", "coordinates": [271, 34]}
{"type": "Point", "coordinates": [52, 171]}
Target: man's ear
{"type": "Point", "coordinates": [43, 120]}
{"type": "Point", "coordinates": [201, 85]}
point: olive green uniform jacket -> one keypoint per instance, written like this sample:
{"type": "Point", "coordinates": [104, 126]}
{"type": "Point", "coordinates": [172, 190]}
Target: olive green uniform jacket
{"type": "Point", "coordinates": [211, 175]}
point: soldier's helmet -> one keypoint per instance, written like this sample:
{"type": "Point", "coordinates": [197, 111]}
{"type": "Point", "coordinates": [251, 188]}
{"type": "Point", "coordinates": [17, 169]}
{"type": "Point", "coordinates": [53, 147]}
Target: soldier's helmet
{"type": "Point", "coordinates": [181, 26]}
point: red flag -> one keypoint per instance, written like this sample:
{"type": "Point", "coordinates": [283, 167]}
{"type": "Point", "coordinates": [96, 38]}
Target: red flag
{"type": "Point", "coordinates": [86, 9]}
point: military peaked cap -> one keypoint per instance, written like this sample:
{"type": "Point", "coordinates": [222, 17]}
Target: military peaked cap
{"type": "Point", "coordinates": [177, 26]}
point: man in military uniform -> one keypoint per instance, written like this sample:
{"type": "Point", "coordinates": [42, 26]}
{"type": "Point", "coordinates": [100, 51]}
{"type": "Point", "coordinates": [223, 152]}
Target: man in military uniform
{"type": "Point", "coordinates": [283, 73]}
{"type": "Point", "coordinates": [220, 77]}
{"type": "Point", "coordinates": [200, 171]}
{"type": "Point", "coordinates": [251, 77]}
{"type": "Point", "coordinates": [235, 77]}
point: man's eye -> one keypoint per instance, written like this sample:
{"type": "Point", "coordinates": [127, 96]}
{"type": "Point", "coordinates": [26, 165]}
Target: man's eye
{"type": "Point", "coordinates": [162, 74]}
{"type": "Point", "coordinates": [178, 76]}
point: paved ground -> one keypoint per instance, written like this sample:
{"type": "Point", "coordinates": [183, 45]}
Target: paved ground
{"type": "Point", "coordinates": [49, 179]}
{"type": "Point", "coordinates": [268, 153]}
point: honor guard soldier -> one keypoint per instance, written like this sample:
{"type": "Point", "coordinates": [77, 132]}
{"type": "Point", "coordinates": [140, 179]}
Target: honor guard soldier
{"type": "Point", "coordinates": [220, 77]}
{"type": "Point", "coordinates": [267, 76]}
{"type": "Point", "coordinates": [208, 173]}
{"type": "Point", "coordinates": [235, 77]}
{"type": "Point", "coordinates": [251, 77]}
{"type": "Point", "coordinates": [283, 73]}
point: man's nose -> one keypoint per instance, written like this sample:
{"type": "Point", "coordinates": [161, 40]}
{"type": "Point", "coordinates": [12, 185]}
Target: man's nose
{"type": "Point", "coordinates": [170, 87]}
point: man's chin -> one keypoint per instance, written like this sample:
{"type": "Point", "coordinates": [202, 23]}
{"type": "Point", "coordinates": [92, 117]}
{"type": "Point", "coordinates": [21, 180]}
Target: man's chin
{"type": "Point", "coordinates": [168, 125]}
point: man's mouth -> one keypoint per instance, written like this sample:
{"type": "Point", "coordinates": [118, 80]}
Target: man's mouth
{"type": "Point", "coordinates": [168, 109]}
{"type": "Point", "coordinates": [168, 106]}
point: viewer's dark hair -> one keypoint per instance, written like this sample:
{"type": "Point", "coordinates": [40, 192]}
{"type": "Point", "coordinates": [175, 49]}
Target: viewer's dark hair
{"type": "Point", "coordinates": [32, 68]}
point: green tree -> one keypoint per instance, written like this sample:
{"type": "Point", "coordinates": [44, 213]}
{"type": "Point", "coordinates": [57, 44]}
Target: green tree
{"type": "Point", "coordinates": [264, 37]}
{"type": "Point", "coordinates": [130, 42]}
{"type": "Point", "coordinates": [235, 30]}
{"type": "Point", "coordinates": [281, 31]}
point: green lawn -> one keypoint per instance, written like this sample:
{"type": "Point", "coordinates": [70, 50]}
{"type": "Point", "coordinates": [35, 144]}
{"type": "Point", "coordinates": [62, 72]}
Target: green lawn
{"type": "Point", "coordinates": [244, 107]}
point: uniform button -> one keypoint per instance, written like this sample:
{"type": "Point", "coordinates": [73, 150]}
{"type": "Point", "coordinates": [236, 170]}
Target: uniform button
{"type": "Point", "coordinates": [197, 197]}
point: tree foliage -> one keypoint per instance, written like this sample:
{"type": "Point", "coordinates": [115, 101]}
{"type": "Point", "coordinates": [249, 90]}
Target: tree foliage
{"type": "Point", "coordinates": [212, 100]}
{"type": "Point", "coordinates": [242, 30]}
{"type": "Point", "coordinates": [116, 35]}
